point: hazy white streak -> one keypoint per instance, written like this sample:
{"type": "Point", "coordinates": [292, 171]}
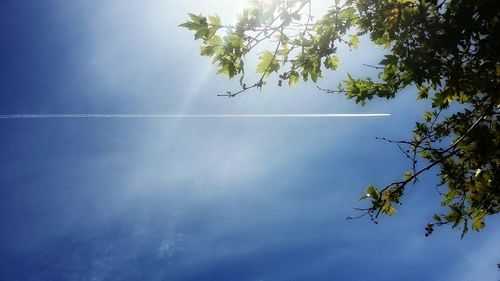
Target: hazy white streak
{"type": "Point", "coordinates": [268, 115]}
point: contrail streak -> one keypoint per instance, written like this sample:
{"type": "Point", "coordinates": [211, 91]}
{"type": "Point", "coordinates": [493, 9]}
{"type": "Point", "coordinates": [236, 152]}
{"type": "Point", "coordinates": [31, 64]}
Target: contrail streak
{"type": "Point", "coordinates": [153, 116]}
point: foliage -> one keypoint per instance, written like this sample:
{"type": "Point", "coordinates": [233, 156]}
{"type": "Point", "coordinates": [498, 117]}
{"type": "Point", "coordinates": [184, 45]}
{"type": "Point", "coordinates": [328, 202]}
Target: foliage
{"type": "Point", "coordinates": [447, 51]}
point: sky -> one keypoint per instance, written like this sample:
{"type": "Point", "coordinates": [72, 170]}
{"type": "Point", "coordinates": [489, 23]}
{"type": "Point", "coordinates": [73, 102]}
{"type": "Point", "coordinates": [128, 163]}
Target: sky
{"type": "Point", "coordinates": [198, 199]}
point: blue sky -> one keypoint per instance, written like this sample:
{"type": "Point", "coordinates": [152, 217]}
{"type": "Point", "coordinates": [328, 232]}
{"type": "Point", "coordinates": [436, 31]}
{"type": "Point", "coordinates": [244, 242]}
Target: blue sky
{"type": "Point", "coordinates": [232, 199]}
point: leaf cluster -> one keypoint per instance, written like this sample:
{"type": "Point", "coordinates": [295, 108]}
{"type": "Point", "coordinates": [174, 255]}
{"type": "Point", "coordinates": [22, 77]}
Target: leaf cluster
{"type": "Point", "coordinates": [447, 52]}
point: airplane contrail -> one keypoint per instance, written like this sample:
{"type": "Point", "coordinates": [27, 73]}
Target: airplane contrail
{"type": "Point", "coordinates": [216, 115]}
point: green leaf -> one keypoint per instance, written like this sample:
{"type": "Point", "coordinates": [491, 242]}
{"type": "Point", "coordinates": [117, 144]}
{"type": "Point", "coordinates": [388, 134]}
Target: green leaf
{"type": "Point", "coordinates": [190, 25]}
{"type": "Point", "coordinates": [214, 20]}
{"type": "Point", "coordinates": [227, 67]}
{"type": "Point", "coordinates": [425, 154]}
{"type": "Point", "coordinates": [348, 14]}
{"type": "Point", "coordinates": [293, 78]}
{"type": "Point", "coordinates": [407, 175]}
{"type": "Point", "coordinates": [389, 60]}
{"type": "Point", "coordinates": [315, 74]}
{"type": "Point", "coordinates": [267, 63]}
{"type": "Point", "coordinates": [354, 41]}
{"type": "Point", "coordinates": [388, 209]}
{"type": "Point", "coordinates": [332, 62]}
{"type": "Point", "coordinates": [478, 224]}
{"type": "Point", "coordinates": [363, 197]}
{"type": "Point", "coordinates": [200, 25]}
{"type": "Point", "coordinates": [213, 47]}
{"type": "Point", "coordinates": [428, 116]}
{"type": "Point", "coordinates": [437, 218]}
{"type": "Point", "coordinates": [372, 191]}
{"type": "Point", "coordinates": [464, 230]}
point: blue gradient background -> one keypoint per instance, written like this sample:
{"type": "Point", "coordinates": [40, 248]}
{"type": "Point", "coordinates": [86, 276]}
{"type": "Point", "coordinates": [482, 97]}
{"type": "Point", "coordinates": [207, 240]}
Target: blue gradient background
{"type": "Point", "coordinates": [231, 199]}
